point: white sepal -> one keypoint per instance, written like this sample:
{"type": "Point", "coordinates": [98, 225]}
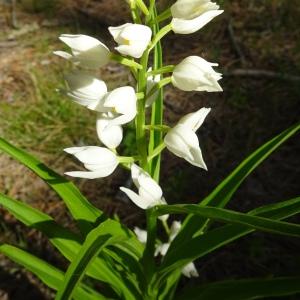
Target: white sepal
{"type": "Point", "coordinates": [183, 141]}
{"type": "Point", "coordinates": [86, 51]}
{"type": "Point", "coordinates": [100, 161]}
{"type": "Point", "coordinates": [149, 192]}
{"type": "Point", "coordinates": [121, 102]}
{"type": "Point", "coordinates": [110, 135]}
{"type": "Point", "coordinates": [191, 15]}
{"type": "Point", "coordinates": [84, 89]}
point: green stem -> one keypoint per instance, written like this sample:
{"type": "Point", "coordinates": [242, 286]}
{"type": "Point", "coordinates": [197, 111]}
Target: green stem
{"type": "Point", "coordinates": [140, 95]}
{"type": "Point", "coordinates": [157, 151]}
{"type": "Point", "coordinates": [157, 127]}
{"type": "Point", "coordinates": [125, 61]}
{"type": "Point", "coordinates": [164, 31]}
{"type": "Point", "coordinates": [134, 12]}
{"type": "Point", "coordinates": [164, 15]}
{"type": "Point", "coordinates": [157, 107]}
{"type": "Point", "coordinates": [142, 6]}
{"type": "Point", "coordinates": [165, 69]}
{"type": "Point", "coordinates": [166, 226]}
{"type": "Point", "coordinates": [159, 86]}
{"type": "Point", "coordinates": [126, 159]}
{"type": "Point", "coordinates": [140, 119]}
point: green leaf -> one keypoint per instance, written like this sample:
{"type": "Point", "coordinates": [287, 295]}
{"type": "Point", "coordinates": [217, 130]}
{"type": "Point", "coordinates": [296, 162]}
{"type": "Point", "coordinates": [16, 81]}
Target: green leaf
{"type": "Point", "coordinates": [81, 209]}
{"type": "Point", "coordinates": [229, 216]}
{"type": "Point", "coordinates": [47, 273]}
{"type": "Point", "coordinates": [106, 233]}
{"type": "Point", "coordinates": [245, 289]}
{"type": "Point", "coordinates": [68, 243]}
{"type": "Point", "coordinates": [225, 190]}
{"type": "Point", "coordinates": [199, 246]}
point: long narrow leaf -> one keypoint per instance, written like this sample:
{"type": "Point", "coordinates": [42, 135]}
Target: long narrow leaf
{"type": "Point", "coordinates": [106, 233]}
{"type": "Point", "coordinates": [225, 190]}
{"type": "Point", "coordinates": [199, 246]}
{"type": "Point", "coordinates": [81, 209]}
{"type": "Point", "coordinates": [47, 273]}
{"type": "Point", "coordinates": [244, 289]}
{"type": "Point", "coordinates": [229, 216]}
{"type": "Point", "coordinates": [65, 241]}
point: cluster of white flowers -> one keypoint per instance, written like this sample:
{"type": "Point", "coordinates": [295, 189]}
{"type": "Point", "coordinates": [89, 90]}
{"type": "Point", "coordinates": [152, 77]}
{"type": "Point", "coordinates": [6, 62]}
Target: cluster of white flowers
{"type": "Point", "coordinates": [189, 270]}
{"type": "Point", "coordinates": [118, 107]}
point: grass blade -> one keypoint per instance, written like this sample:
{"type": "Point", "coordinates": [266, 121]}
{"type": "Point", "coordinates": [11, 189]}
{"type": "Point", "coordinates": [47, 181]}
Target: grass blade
{"type": "Point", "coordinates": [244, 289]}
{"type": "Point", "coordinates": [226, 189]}
{"type": "Point", "coordinates": [47, 273]}
{"type": "Point", "coordinates": [106, 233]}
{"type": "Point", "coordinates": [81, 209]}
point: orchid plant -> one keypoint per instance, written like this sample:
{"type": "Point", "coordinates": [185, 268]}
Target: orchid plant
{"type": "Point", "coordinates": [138, 263]}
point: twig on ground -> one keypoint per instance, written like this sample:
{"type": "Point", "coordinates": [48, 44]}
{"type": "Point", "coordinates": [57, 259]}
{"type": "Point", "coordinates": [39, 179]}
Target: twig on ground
{"type": "Point", "coordinates": [261, 73]}
{"type": "Point", "coordinates": [235, 44]}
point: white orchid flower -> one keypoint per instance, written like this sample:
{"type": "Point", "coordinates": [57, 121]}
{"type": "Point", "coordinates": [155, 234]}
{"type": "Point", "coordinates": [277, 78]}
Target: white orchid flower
{"type": "Point", "coordinates": [151, 82]}
{"type": "Point", "coordinates": [183, 141]}
{"type": "Point", "coordinates": [133, 39]}
{"type": "Point", "coordinates": [85, 89]}
{"type": "Point", "coordinates": [191, 15]}
{"type": "Point", "coordinates": [100, 161]}
{"type": "Point", "coordinates": [121, 102]}
{"type": "Point", "coordinates": [196, 74]}
{"type": "Point", "coordinates": [189, 270]}
{"type": "Point", "coordinates": [86, 51]}
{"type": "Point", "coordinates": [110, 135]}
{"type": "Point", "coordinates": [149, 192]}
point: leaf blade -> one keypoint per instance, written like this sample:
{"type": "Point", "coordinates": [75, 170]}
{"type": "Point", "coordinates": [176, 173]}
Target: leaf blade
{"type": "Point", "coordinates": [47, 273]}
{"type": "Point", "coordinates": [97, 239]}
{"type": "Point", "coordinates": [244, 289]}
{"type": "Point", "coordinates": [201, 245]}
{"type": "Point", "coordinates": [81, 209]}
{"type": "Point", "coordinates": [222, 194]}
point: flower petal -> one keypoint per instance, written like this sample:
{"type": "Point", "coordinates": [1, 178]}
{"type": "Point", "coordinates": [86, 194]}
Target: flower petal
{"type": "Point", "coordinates": [195, 120]}
{"type": "Point", "coordinates": [110, 136]}
{"type": "Point", "coordinates": [186, 26]}
{"type": "Point", "coordinates": [141, 234]}
{"type": "Point", "coordinates": [190, 270]}
{"type": "Point", "coordinates": [90, 175]}
{"type": "Point", "coordinates": [136, 199]}
{"type": "Point", "coordinates": [85, 89]}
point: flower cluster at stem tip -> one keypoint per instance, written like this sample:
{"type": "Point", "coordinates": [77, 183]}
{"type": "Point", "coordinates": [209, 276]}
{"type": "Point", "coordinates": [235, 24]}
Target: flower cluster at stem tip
{"type": "Point", "coordinates": [124, 104]}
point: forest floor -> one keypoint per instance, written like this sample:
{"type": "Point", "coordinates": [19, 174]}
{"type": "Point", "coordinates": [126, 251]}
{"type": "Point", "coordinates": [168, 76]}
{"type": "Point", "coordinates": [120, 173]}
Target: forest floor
{"type": "Point", "coordinates": [257, 47]}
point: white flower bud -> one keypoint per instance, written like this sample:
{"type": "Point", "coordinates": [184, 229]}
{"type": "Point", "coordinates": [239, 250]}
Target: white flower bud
{"type": "Point", "coordinates": [191, 15]}
{"type": "Point", "coordinates": [86, 51]}
{"type": "Point", "coordinates": [183, 141]}
{"type": "Point", "coordinates": [133, 39]}
{"type": "Point", "coordinates": [110, 135]}
{"type": "Point", "coordinates": [196, 74]}
{"type": "Point", "coordinates": [100, 161]}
